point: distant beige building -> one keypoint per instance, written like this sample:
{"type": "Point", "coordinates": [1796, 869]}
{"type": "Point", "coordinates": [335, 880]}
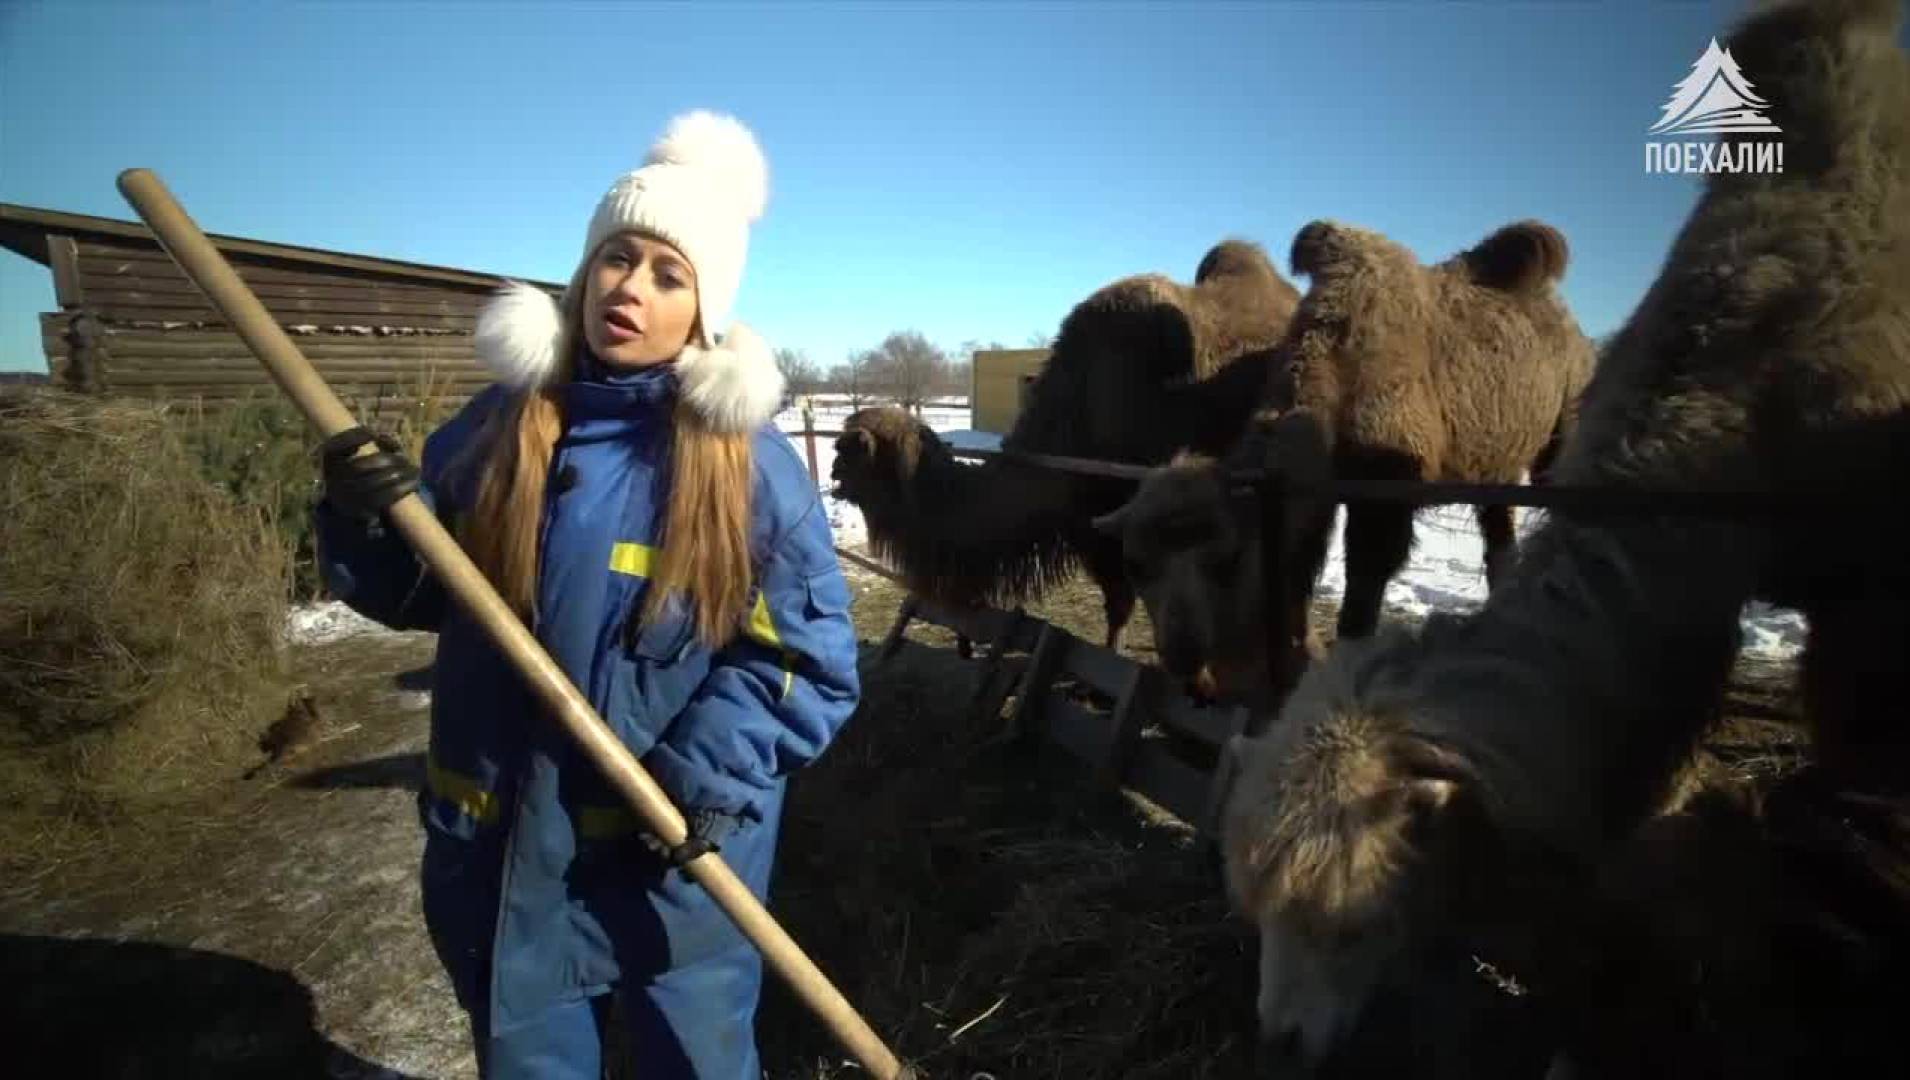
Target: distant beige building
{"type": "Point", "coordinates": [1002, 378]}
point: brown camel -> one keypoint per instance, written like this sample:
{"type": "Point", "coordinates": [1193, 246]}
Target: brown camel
{"type": "Point", "coordinates": [1141, 368]}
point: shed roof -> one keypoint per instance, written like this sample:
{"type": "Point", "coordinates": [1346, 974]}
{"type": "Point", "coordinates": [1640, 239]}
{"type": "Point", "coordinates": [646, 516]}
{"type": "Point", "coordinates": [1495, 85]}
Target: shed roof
{"type": "Point", "coordinates": [24, 229]}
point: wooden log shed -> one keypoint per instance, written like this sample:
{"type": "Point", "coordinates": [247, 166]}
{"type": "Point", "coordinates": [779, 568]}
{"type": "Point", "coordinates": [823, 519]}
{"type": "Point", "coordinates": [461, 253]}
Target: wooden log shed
{"type": "Point", "coordinates": [388, 335]}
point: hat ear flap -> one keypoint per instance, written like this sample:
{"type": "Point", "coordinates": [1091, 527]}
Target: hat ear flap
{"type": "Point", "coordinates": [734, 385]}
{"type": "Point", "coordinates": [519, 332]}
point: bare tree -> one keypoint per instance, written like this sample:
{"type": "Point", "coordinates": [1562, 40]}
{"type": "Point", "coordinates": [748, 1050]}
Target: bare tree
{"type": "Point", "coordinates": [1040, 340]}
{"type": "Point", "coordinates": [801, 375]}
{"type": "Point", "coordinates": [911, 367]}
{"type": "Point", "coordinates": [853, 377]}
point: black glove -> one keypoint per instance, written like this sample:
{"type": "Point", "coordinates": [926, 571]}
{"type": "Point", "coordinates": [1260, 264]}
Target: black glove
{"type": "Point", "coordinates": [707, 832]}
{"type": "Point", "coordinates": [363, 487]}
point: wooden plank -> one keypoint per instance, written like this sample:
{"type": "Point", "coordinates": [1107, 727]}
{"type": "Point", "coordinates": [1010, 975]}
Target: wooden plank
{"type": "Point", "coordinates": [124, 263]}
{"type": "Point", "coordinates": [398, 350]}
{"type": "Point", "coordinates": [992, 688]}
{"type": "Point", "coordinates": [418, 365]}
{"type": "Point", "coordinates": [405, 348]}
{"type": "Point", "coordinates": [149, 278]}
{"type": "Point", "coordinates": [242, 373]}
{"type": "Point", "coordinates": [1210, 724]}
{"type": "Point", "coordinates": [1085, 735]}
{"type": "Point", "coordinates": [1050, 645]}
{"type": "Point", "coordinates": [1103, 669]}
{"type": "Point", "coordinates": [290, 316]}
{"type": "Point", "coordinates": [1129, 717]}
{"type": "Point", "coordinates": [63, 256]}
{"type": "Point", "coordinates": [181, 335]}
{"type": "Point", "coordinates": [286, 256]}
{"type": "Point", "coordinates": [225, 391]}
{"type": "Point", "coordinates": [110, 299]}
{"type": "Point", "coordinates": [1176, 786]}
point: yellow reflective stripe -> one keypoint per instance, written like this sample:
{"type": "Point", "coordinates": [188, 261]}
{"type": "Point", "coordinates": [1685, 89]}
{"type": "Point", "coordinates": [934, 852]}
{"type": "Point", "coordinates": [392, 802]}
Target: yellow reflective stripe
{"type": "Point", "coordinates": [599, 822]}
{"type": "Point", "coordinates": [762, 629]}
{"type": "Point", "coordinates": [632, 559]}
{"type": "Point", "coordinates": [462, 791]}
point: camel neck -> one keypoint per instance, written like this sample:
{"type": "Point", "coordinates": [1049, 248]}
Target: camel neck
{"type": "Point", "coordinates": [1582, 686]}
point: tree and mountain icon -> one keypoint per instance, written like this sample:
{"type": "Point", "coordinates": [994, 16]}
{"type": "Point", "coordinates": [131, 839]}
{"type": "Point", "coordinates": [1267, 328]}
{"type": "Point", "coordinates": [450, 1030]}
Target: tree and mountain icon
{"type": "Point", "coordinates": [1715, 97]}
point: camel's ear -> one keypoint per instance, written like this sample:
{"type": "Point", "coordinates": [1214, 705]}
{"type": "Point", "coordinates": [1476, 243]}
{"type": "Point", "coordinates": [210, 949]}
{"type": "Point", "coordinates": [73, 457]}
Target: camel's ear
{"type": "Point", "coordinates": [1523, 255]}
{"type": "Point", "coordinates": [1434, 776]}
{"type": "Point", "coordinates": [856, 442]}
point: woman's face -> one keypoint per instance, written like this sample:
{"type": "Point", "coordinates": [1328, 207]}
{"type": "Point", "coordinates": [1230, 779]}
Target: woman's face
{"type": "Point", "coordinates": [639, 301]}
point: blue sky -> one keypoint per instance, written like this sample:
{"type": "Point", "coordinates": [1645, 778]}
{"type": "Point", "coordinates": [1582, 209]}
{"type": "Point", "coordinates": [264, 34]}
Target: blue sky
{"type": "Point", "coordinates": [967, 171]}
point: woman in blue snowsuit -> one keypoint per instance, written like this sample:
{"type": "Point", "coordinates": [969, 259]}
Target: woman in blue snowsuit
{"type": "Point", "coordinates": [623, 488]}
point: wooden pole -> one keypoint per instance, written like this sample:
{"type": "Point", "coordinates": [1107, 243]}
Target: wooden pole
{"type": "Point", "coordinates": [194, 253]}
{"type": "Point", "coordinates": [809, 438]}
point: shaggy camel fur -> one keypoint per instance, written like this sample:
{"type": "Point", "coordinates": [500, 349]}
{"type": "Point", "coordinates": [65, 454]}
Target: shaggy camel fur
{"type": "Point", "coordinates": [1467, 370]}
{"type": "Point", "coordinates": [1772, 354]}
{"type": "Point", "coordinates": [1142, 367]}
{"type": "Point", "coordinates": [1758, 931]}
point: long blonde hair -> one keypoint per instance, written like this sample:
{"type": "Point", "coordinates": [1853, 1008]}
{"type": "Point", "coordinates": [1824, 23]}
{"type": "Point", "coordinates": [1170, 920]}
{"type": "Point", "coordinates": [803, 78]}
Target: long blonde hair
{"type": "Point", "coordinates": [705, 528]}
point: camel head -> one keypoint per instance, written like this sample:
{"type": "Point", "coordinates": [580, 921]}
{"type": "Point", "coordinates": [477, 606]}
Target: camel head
{"type": "Point", "coordinates": [877, 455]}
{"type": "Point", "coordinates": [1192, 545]}
{"type": "Point", "coordinates": [1194, 560]}
{"type": "Point", "coordinates": [1338, 834]}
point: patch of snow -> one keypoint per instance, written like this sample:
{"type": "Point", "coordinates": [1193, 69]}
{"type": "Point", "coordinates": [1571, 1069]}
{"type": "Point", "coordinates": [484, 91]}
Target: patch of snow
{"type": "Point", "coordinates": [1446, 572]}
{"type": "Point", "coordinates": [316, 624]}
{"type": "Point", "coordinates": [1777, 633]}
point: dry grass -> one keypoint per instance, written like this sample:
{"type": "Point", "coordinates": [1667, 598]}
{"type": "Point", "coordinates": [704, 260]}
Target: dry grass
{"type": "Point", "coordinates": [992, 910]}
{"type": "Point", "coordinates": [140, 614]}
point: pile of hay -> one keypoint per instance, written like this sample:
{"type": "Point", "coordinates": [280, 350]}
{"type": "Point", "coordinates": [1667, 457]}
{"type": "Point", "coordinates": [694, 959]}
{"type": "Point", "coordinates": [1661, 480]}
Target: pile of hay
{"type": "Point", "coordinates": [993, 912]}
{"type": "Point", "coordinates": [141, 610]}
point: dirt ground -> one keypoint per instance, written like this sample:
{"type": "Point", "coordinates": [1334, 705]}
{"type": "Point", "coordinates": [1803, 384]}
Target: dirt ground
{"type": "Point", "coordinates": [989, 910]}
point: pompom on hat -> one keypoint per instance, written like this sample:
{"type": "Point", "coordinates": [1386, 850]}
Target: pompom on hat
{"type": "Point", "coordinates": [700, 188]}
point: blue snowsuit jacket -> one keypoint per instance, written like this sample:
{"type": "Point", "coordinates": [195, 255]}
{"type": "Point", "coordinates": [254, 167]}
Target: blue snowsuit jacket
{"type": "Point", "coordinates": [536, 888]}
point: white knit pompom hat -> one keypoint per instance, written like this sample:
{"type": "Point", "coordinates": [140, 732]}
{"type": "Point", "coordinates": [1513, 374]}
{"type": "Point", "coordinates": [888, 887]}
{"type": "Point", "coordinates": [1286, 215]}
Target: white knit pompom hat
{"type": "Point", "coordinates": [700, 188]}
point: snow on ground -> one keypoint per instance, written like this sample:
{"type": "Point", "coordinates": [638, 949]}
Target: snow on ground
{"type": "Point", "coordinates": [318, 624]}
{"type": "Point", "coordinates": [1446, 571]}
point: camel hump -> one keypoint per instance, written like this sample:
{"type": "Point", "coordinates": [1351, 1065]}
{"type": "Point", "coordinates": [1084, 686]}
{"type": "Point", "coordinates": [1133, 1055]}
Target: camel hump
{"type": "Point", "coordinates": [1234, 257]}
{"type": "Point", "coordinates": [1523, 255]}
{"type": "Point", "coordinates": [1317, 244]}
